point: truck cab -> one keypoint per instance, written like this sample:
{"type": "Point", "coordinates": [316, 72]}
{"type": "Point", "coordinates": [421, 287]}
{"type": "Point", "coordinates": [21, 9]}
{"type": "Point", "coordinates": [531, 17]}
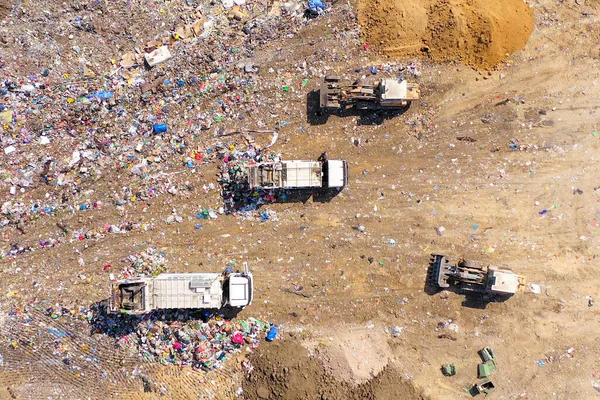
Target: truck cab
{"type": "Point", "coordinates": [238, 289]}
{"type": "Point", "coordinates": [335, 174]}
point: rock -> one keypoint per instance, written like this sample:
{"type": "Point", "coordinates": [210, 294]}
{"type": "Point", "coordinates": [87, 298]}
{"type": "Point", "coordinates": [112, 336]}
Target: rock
{"type": "Point", "coordinates": [263, 392]}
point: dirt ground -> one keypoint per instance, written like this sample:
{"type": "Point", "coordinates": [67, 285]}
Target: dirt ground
{"type": "Point", "coordinates": [278, 375]}
{"type": "Point", "coordinates": [505, 161]}
{"type": "Point", "coordinates": [477, 33]}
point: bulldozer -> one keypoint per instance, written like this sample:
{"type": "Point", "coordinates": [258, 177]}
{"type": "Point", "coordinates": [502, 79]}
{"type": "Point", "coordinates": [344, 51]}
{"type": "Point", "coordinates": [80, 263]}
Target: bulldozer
{"type": "Point", "coordinates": [367, 94]}
{"type": "Point", "coordinates": [473, 276]}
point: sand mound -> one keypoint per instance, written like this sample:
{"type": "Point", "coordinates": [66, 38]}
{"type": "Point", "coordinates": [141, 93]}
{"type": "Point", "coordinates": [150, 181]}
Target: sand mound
{"type": "Point", "coordinates": [283, 370]}
{"type": "Point", "coordinates": [479, 33]}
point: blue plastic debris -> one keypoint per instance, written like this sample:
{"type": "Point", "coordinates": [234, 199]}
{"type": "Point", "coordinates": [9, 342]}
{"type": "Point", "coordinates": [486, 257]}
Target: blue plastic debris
{"type": "Point", "coordinates": [264, 216]}
{"type": "Point", "coordinates": [160, 128]}
{"type": "Point", "coordinates": [103, 94]}
{"type": "Point", "coordinates": [272, 333]}
{"type": "Point", "coordinates": [58, 333]}
{"type": "Point", "coordinates": [316, 5]}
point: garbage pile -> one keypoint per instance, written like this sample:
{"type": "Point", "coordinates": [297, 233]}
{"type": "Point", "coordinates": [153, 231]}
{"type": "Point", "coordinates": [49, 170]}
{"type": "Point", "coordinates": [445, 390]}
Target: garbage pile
{"type": "Point", "coordinates": [149, 263]}
{"type": "Point", "coordinates": [169, 338]}
{"type": "Point", "coordinates": [237, 195]}
{"type": "Point", "coordinates": [75, 126]}
{"type": "Point", "coordinates": [202, 345]}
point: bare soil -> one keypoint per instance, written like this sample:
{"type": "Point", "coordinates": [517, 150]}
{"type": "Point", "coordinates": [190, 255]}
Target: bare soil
{"type": "Point", "coordinates": [477, 33]}
{"type": "Point", "coordinates": [276, 375]}
{"type": "Point", "coordinates": [6, 7]}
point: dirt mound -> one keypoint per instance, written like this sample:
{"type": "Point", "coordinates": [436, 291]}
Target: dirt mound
{"type": "Point", "coordinates": [284, 370]}
{"type": "Point", "coordinates": [479, 33]}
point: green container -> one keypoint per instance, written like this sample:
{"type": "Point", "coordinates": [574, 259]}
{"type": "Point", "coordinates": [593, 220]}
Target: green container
{"type": "Point", "coordinates": [485, 369]}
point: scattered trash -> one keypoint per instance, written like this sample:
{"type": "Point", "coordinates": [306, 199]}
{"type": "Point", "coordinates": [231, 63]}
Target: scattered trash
{"type": "Point", "coordinates": [397, 331]}
{"type": "Point", "coordinates": [103, 95]}
{"type": "Point", "coordinates": [535, 288]}
{"type": "Point", "coordinates": [272, 334]}
{"type": "Point", "coordinates": [158, 56]}
{"type": "Point", "coordinates": [447, 325]}
{"type": "Point", "coordinates": [202, 345]}
{"type": "Point", "coordinates": [160, 128]}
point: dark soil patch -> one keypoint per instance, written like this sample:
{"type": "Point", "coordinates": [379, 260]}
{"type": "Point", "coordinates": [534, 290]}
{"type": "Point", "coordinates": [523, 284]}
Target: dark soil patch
{"type": "Point", "coordinates": [284, 370]}
{"type": "Point", "coordinates": [5, 8]}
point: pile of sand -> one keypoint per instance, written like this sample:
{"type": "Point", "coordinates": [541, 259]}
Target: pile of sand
{"type": "Point", "coordinates": [283, 370]}
{"type": "Point", "coordinates": [479, 33]}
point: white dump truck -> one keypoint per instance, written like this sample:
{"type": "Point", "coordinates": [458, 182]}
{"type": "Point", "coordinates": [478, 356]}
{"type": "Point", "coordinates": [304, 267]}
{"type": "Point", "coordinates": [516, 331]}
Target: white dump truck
{"type": "Point", "coordinates": [298, 174]}
{"type": "Point", "coordinates": [181, 291]}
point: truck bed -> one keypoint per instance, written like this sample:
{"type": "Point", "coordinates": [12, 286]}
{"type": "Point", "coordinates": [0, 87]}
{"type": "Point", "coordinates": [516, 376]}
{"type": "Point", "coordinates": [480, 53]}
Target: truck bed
{"type": "Point", "coordinates": [300, 174]}
{"type": "Point", "coordinates": [286, 174]}
{"type": "Point", "coordinates": [186, 291]}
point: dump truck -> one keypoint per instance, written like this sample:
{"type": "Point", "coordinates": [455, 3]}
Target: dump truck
{"type": "Point", "coordinates": [367, 94]}
{"type": "Point", "coordinates": [298, 174]}
{"type": "Point", "coordinates": [473, 276]}
{"type": "Point", "coordinates": [192, 291]}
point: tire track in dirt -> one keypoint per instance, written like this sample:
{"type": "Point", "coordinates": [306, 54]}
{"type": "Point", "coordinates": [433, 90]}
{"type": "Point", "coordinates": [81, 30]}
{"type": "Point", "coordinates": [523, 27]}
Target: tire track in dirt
{"type": "Point", "coordinates": [58, 356]}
